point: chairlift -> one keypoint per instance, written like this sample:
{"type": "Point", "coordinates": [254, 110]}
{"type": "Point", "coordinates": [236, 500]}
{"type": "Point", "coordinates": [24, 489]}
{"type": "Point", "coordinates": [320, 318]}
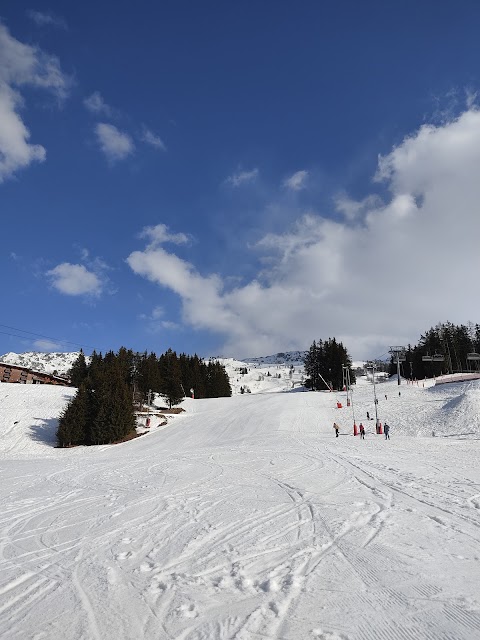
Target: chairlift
{"type": "Point", "coordinates": [437, 357]}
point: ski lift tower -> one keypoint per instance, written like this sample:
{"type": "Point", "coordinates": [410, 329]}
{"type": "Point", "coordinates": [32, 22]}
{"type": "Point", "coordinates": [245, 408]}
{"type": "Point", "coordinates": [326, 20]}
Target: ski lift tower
{"type": "Point", "coordinates": [399, 354]}
{"type": "Point", "coordinates": [346, 381]}
{"type": "Point", "coordinates": [373, 366]}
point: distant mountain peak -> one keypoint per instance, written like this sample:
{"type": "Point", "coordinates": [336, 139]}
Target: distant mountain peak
{"type": "Point", "coordinates": [282, 357]}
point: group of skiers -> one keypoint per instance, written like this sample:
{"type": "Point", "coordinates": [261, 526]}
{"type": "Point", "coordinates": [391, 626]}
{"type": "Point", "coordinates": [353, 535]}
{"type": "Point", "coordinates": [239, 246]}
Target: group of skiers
{"type": "Point", "coordinates": [361, 429]}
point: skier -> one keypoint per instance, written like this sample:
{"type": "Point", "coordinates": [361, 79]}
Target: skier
{"type": "Point", "coordinates": [362, 431]}
{"type": "Point", "coordinates": [336, 427]}
{"type": "Point", "coordinates": [385, 396]}
{"type": "Point", "coordinates": [368, 415]}
{"type": "Point", "coordinates": [386, 431]}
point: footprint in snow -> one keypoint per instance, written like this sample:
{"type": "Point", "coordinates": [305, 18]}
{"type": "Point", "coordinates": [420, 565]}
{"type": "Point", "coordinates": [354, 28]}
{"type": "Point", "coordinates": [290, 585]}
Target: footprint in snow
{"type": "Point", "coordinates": [157, 587]}
{"type": "Point", "coordinates": [187, 610]}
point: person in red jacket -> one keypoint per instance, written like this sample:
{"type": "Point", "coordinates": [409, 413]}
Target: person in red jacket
{"type": "Point", "coordinates": [362, 431]}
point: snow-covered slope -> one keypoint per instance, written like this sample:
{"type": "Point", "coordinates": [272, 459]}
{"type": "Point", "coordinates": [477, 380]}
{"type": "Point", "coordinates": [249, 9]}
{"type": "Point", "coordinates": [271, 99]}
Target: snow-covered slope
{"type": "Point", "coordinates": [246, 518]}
{"type": "Point", "coordinates": [29, 418]}
{"type": "Point", "coordinates": [261, 378]}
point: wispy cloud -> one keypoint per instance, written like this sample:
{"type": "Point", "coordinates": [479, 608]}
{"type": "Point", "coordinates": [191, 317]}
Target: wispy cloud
{"type": "Point", "coordinates": [160, 234]}
{"type": "Point", "coordinates": [97, 105]}
{"type": "Point", "coordinates": [47, 345]}
{"type": "Point", "coordinates": [376, 277]}
{"type": "Point", "coordinates": [115, 144]}
{"type": "Point", "coordinates": [155, 321]}
{"type": "Point", "coordinates": [23, 66]}
{"type": "Point", "coordinates": [353, 209]}
{"type": "Point", "coordinates": [153, 140]}
{"type": "Point", "coordinates": [42, 19]}
{"type": "Point", "coordinates": [297, 181]}
{"type": "Point", "coordinates": [242, 177]}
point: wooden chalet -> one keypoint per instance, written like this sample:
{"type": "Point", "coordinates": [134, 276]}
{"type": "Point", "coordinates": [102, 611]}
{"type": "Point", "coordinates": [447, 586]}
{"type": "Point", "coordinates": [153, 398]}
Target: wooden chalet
{"type": "Point", "coordinates": [24, 375]}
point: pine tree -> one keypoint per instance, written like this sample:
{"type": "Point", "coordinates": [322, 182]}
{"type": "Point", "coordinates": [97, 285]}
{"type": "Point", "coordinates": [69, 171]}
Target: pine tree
{"type": "Point", "coordinates": [311, 363]}
{"type": "Point", "coordinates": [171, 385]}
{"type": "Point", "coordinates": [194, 375]}
{"type": "Point", "coordinates": [79, 371]}
{"type": "Point", "coordinates": [218, 383]}
{"type": "Point", "coordinates": [148, 375]}
{"type": "Point", "coordinates": [95, 369]}
{"type": "Point", "coordinates": [74, 422]}
{"type": "Point", "coordinates": [326, 360]}
{"type": "Point", "coordinates": [115, 417]}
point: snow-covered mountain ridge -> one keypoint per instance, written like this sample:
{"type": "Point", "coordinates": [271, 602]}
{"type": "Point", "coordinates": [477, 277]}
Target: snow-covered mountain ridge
{"type": "Point", "coordinates": [47, 362]}
{"type": "Point", "coordinates": [288, 357]}
{"type": "Point", "coordinates": [62, 362]}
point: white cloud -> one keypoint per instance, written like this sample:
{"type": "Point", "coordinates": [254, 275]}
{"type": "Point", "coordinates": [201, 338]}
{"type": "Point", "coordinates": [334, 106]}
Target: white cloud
{"type": "Point", "coordinates": [171, 326]}
{"type": "Point", "coordinates": [97, 105]}
{"type": "Point", "coordinates": [15, 150]}
{"type": "Point", "coordinates": [160, 234]}
{"type": "Point", "coordinates": [42, 19]}
{"type": "Point", "coordinates": [381, 276]}
{"type": "Point", "coordinates": [297, 181]}
{"type": "Point", "coordinates": [153, 140]}
{"type": "Point", "coordinates": [157, 312]}
{"type": "Point", "coordinates": [155, 322]}
{"type": "Point", "coordinates": [471, 97]}
{"type": "Point", "coordinates": [23, 66]}
{"type": "Point", "coordinates": [75, 280]}
{"type": "Point", "coordinates": [47, 345]}
{"type": "Point", "coordinates": [242, 177]}
{"type": "Point", "coordinates": [353, 209]}
{"type": "Point", "coordinates": [115, 144]}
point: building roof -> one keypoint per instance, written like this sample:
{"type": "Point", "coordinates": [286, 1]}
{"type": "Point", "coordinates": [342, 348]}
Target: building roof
{"type": "Point", "coordinates": [37, 373]}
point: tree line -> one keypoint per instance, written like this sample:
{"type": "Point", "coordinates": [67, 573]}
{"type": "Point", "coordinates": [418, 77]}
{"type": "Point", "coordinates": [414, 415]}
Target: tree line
{"type": "Point", "coordinates": [452, 342]}
{"type": "Point", "coordinates": [326, 359]}
{"type": "Point", "coordinates": [102, 411]}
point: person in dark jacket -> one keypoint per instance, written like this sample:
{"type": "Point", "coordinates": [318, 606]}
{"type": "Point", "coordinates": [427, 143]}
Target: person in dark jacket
{"type": "Point", "coordinates": [386, 431]}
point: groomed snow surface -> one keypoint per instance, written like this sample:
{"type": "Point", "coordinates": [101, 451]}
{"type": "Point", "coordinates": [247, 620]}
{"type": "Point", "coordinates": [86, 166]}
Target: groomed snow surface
{"type": "Point", "coordinates": [246, 518]}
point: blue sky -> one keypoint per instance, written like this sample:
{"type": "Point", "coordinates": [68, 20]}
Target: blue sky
{"type": "Point", "coordinates": [237, 178]}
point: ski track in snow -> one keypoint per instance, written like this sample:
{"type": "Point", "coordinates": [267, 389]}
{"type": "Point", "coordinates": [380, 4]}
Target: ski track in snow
{"type": "Point", "coordinates": [245, 518]}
